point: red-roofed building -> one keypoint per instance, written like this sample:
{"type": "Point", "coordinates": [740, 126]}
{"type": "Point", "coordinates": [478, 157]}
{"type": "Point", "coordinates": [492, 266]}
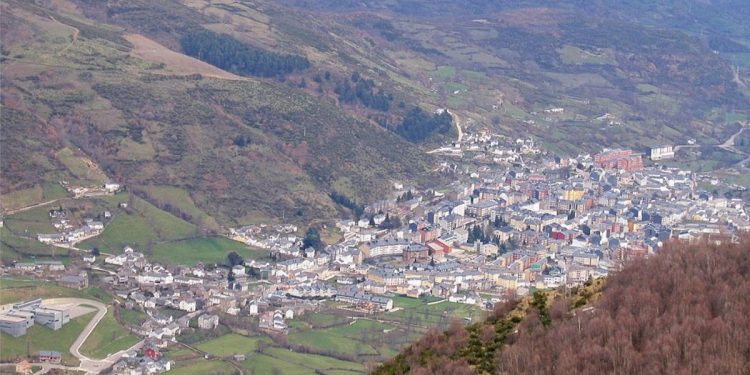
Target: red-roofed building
{"type": "Point", "coordinates": [626, 160]}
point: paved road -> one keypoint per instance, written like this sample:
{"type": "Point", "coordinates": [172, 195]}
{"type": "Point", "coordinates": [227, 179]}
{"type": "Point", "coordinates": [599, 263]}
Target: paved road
{"type": "Point", "coordinates": [728, 144]}
{"type": "Point", "coordinates": [89, 365]}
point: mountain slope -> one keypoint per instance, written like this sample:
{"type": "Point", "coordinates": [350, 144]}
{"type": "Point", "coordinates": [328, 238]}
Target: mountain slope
{"type": "Point", "coordinates": [245, 148]}
{"type": "Point", "coordinates": [684, 310]}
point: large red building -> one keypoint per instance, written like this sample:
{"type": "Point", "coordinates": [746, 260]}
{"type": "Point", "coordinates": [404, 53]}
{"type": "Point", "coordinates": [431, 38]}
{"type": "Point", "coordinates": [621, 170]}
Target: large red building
{"type": "Point", "coordinates": [626, 160]}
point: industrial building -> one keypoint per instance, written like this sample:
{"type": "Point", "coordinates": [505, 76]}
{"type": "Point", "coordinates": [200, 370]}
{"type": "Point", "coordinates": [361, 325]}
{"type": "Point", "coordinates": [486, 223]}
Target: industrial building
{"type": "Point", "coordinates": [23, 315]}
{"type": "Point", "coordinates": [53, 319]}
{"type": "Point", "coordinates": [14, 325]}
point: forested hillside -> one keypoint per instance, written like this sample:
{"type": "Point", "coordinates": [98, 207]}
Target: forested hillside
{"type": "Point", "coordinates": [683, 311]}
{"type": "Point", "coordinates": [230, 54]}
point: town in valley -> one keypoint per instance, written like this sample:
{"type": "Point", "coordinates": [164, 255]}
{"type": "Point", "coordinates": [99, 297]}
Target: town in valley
{"type": "Point", "coordinates": [515, 220]}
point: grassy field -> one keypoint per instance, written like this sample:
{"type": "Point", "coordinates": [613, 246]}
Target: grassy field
{"type": "Point", "coordinates": [13, 247]}
{"type": "Point", "coordinates": [42, 338]}
{"type": "Point", "coordinates": [206, 250]}
{"type": "Point", "coordinates": [181, 354]}
{"type": "Point", "coordinates": [265, 364]}
{"type": "Point", "coordinates": [325, 319]}
{"type": "Point", "coordinates": [314, 362]}
{"type": "Point", "coordinates": [348, 339]}
{"type": "Point", "coordinates": [445, 72]}
{"type": "Point", "coordinates": [142, 227]}
{"type": "Point", "coordinates": [165, 225]}
{"type": "Point", "coordinates": [575, 56]}
{"type": "Point", "coordinates": [31, 222]}
{"type": "Point", "coordinates": [333, 333]}
{"type": "Point", "coordinates": [232, 344]}
{"type": "Point", "coordinates": [53, 190]}
{"type": "Point", "coordinates": [418, 312]}
{"type": "Point", "coordinates": [15, 290]}
{"type": "Point", "coordinates": [81, 167]}
{"type": "Point", "coordinates": [181, 200]}
{"type": "Point", "coordinates": [34, 195]}
{"type": "Point", "coordinates": [202, 367]}
{"type": "Point", "coordinates": [107, 338]}
{"type": "Point", "coordinates": [125, 230]}
{"type": "Point", "coordinates": [21, 198]}
{"type": "Point", "coordinates": [133, 317]}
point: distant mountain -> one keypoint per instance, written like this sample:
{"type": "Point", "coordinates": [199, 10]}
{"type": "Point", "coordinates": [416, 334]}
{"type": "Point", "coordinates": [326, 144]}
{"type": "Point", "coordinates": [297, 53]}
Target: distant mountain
{"type": "Point", "coordinates": [684, 310]}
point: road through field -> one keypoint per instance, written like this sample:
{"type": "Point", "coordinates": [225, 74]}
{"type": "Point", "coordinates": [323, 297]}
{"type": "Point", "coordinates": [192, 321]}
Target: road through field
{"type": "Point", "coordinates": [89, 365]}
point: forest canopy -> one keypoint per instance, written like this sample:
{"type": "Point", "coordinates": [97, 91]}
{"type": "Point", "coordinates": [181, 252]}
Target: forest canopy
{"type": "Point", "coordinates": [419, 125]}
{"type": "Point", "coordinates": [228, 53]}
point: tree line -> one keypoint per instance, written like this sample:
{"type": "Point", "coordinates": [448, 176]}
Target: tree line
{"type": "Point", "coordinates": [419, 125]}
{"type": "Point", "coordinates": [228, 53]}
{"type": "Point", "coordinates": [357, 89]}
{"type": "Point", "coordinates": [357, 209]}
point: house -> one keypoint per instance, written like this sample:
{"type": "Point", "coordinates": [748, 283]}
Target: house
{"type": "Point", "coordinates": [80, 281]}
{"type": "Point", "coordinates": [48, 356]}
{"type": "Point", "coordinates": [364, 301]}
{"type": "Point", "coordinates": [23, 367]}
{"type": "Point", "coordinates": [156, 278]}
{"type": "Point", "coordinates": [168, 332]}
{"type": "Point", "coordinates": [51, 238]}
{"type": "Point", "coordinates": [207, 321]}
{"type": "Point", "coordinates": [111, 187]}
{"type": "Point", "coordinates": [414, 252]}
{"type": "Point", "coordinates": [273, 320]}
{"type": "Point", "coordinates": [253, 308]}
{"type": "Point", "coordinates": [238, 270]}
{"type": "Point", "coordinates": [95, 225]}
{"type": "Point", "coordinates": [488, 249]}
{"type": "Point", "coordinates": [51, 265]}
{"type": "Point", "coordinates": [626, 160]}
{"type": "Point", "coordinates": [384, 247]}
{"type": "Point", "coordinates": [661, 152]}
{"type": "Point", "coordinates": [188, 305]}
{"type": "Point", "coordinates": [27, 267]}
{"type": "Point", "coordinates": [481, 210]}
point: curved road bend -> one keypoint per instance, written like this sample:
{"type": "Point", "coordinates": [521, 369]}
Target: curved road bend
{"type": "Point", "coordinates": [89, 365]}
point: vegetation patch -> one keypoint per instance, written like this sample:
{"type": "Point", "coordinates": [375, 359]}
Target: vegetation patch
{"type": "Point", "coordinates": [231, 344]}
{"type": "Point", "coordinates": [107, 338]}
{"type": "Point", "coordinates": [207, 250]}
{"type": "Point", "coordinates": [201, 367]}
{"type": "Point", "coordinates": [17, 290]}
{"type": "Point", "coordinates": [228, 53]}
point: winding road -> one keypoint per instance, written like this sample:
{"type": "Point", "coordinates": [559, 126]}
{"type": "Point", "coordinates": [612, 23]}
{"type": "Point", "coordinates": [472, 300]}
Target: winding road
{"type": "Point", "coordinates": [727, 145]}
{"type": "Point", "coordinates": [87, 365]}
